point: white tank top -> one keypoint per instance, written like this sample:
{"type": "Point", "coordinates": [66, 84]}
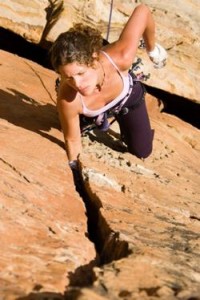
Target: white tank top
{"type": "Point", "coordinates": [126, 85]}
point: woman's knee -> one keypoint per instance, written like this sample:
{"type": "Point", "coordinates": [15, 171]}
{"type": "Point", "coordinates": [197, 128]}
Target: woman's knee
{"type": "Point", "coordinates": [142, 153]}
{"type": "Point", "coordinates": [142, 149]}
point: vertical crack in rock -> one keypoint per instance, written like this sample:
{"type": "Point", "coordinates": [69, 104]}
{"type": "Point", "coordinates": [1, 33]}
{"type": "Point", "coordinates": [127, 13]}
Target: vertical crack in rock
{"type": "Point", "coordinates": [108, 243]}
{"type": "Point", "coordinates": [53, 12]}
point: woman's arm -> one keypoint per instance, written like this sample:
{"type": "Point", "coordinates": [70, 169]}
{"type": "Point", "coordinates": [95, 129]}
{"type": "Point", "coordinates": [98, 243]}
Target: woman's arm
{"type": "Point", "coordinates": [140, 24]}
{"type": "Point", "coordinates": [69, 118]}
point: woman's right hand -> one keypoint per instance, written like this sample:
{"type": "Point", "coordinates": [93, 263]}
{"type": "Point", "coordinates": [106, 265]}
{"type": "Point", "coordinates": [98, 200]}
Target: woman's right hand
{"type": "Point", "coordinates": [158, 56]}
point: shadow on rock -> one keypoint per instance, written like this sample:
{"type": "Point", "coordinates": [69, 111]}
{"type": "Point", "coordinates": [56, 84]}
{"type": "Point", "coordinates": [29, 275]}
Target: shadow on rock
{"type": "Point", "coordinates": [25, 112]}
{"type": "Point", "coordinates": [43, 296]}
{"type": "Point", "coordinates": [73, 294]}
{"type": "Point", "coordinates": [110, 139]}
{"type": "Point", "coordinates": [83, 276]}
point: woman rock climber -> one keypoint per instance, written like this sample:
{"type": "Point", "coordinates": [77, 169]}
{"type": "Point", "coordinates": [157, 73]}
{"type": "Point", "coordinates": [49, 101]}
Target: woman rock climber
{"type": "Point", "coordinates": [95, 79]}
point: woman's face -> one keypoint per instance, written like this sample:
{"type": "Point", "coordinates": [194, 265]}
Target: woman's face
{"type": "Point", "coordinates": [82, 78]}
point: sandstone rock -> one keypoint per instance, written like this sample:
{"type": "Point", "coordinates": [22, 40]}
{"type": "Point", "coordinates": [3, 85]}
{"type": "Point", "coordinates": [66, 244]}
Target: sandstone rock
{"type": "Point", "coordinates": [146, 212]}
{"type": "Point", "coordinates": [94, 13]}
{"type": "Point", "coordinates": [156, 213]}
{"type": "Point", "coordinates": [177, 30]}
{"type": "Point", "coordinates": [26, 18]}
{"type": "Point", "coordinates": [43, 226]}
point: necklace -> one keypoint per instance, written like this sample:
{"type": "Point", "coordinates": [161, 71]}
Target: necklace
{"type": "Point", "coordinates": [101, 84]}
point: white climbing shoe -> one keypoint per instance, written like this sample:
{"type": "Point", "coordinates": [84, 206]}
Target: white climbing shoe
{"type": "Point", "coordinates": [158, 56]}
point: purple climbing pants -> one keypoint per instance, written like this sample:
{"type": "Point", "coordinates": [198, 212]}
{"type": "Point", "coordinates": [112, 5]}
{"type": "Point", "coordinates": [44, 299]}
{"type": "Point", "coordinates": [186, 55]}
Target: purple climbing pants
{"type": "Point", "coordinates": [134, 123]}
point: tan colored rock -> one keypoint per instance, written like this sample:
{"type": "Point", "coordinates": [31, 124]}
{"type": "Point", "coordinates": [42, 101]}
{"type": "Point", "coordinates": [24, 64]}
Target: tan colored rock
{"type": "Point", "coordinates": [94, 13]}
{"type": "Point", "coordinates": [25, 18]}
{"type": "Point", "coordinates": [148, 211]}
{"type": "Point", "coordinates": [177, 30]}
{"type": "Point", "coordinates": [43, 226]}
{"type": "Point", "coordinates": [152, 224]}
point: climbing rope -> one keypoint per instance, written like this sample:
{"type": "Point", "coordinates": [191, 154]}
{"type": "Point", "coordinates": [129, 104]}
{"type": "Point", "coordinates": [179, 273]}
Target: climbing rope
{"type": "Point", "coordinates": [109, 21]}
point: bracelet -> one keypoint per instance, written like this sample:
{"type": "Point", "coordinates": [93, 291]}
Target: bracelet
{"type": "Point", "coordinates": [73, 164]}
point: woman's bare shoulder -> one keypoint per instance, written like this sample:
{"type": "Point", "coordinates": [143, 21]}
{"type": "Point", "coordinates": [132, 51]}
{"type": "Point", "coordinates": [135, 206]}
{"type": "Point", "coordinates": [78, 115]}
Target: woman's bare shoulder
{"type": "Point", "coordinates": [66, 92]}
{"type": "Point", "coordinates": [117, 53]}
{"type": "Point", "coordinates": [68, 98]}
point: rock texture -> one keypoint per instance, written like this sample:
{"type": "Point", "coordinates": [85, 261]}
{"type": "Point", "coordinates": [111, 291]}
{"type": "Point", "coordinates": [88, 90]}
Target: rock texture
{"type": "Point", "coordinates": [178, 30]}
{"type": "Point", "coordinates": [144, 214]}
{"type": "Point", "coordinates": [43, 226]}
{"type": "Point", "coordinates": [153, 206]}
{"type": "Point", "coordinates": [177, 22]}
{"type": "Point", "coordinates": [26, 18]}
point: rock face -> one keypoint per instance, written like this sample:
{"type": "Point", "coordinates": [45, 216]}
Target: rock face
{"type": "Point", "coordinates": [152, 212]}
{"type": "Point", "coordinates": [177, 22]}
{"type": "Point", "coordinates": [43, 227]}
{"type": "Point", "coordinates": [144, 214]}
{"type": "Point", "coordinates": [26, 18]}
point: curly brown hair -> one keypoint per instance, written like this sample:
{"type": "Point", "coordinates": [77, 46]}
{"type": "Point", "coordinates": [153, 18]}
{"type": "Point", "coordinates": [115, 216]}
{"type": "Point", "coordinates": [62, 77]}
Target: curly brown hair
{"type": "Point", "coordinates": [77, 44]}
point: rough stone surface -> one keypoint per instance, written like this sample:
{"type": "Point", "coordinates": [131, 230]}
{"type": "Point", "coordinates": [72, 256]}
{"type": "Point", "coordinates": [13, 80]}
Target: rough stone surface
{"type": "Point", "coordinates": [156, 212]}
{"type": "Point", "coordinates": [178, 30]}
{"type": "Point", "coordinates": [177, 23]}
{"type": "Point", "coordinates": [26, 18]}
{"type": "Point", "coordinates": [43, 226]}
{"type": "Point", "coordinates": [146, 213]}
